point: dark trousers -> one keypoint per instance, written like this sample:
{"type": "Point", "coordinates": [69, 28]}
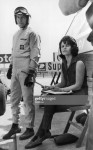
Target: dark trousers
{"type": "Point", "coordinates": [49, 111]}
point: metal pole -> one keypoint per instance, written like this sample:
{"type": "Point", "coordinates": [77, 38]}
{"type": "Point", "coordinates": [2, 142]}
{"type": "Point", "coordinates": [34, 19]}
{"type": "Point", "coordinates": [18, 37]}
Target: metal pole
{"type": "Point", "coordinates": [15, 142]}
{"type": "Point", "coordinates": [71, 23]}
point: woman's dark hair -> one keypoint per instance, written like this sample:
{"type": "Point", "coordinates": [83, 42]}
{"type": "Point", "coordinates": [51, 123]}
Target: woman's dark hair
{"type": "Point", "coordinates": [71, 41]}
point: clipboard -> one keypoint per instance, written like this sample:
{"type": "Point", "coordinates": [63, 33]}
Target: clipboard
{"type": "Point", "coordinates": [57, 93]}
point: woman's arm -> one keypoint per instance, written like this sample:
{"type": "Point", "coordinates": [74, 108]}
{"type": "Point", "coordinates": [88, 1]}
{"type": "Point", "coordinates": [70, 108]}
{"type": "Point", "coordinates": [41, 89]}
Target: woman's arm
{"type": "Point", "coordinates": [62, 83]}
{"type": "Point", "coordinates": [57, 86]}
{"type": "Point", "coordinates": [80, 71]}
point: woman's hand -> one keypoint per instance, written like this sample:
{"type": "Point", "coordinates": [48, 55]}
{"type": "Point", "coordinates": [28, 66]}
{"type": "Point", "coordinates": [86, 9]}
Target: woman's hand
{"type": "Point", "coordinates": [45, 88]}
{"type": "Point", "coordinates": [57, 89]}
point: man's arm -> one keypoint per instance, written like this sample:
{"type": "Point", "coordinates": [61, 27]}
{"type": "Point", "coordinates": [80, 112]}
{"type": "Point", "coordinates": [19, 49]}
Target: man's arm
{"type": "Point", "coordinates": [9, 72]}
{"type": "Point", "coordinates": [35, 46]}
{"type": "Point", "coordinates": [34, 58]}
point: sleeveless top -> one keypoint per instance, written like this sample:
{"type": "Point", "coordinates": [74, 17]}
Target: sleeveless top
{"type": "Point", "coordinates": [70, 75]}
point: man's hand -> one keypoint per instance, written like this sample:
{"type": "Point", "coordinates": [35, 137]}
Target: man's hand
{"type": "Point", "coordinates": [30, 79]}
{"type": "Point", "coordinates": [9, 72]}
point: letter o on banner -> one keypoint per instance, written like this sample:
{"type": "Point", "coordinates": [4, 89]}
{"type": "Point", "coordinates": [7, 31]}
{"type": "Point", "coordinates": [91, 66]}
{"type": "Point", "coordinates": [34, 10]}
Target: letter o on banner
{"type": "Point", "coordinates": [2, 99]}
{"type": "Point", "coordinates": [1, 59]}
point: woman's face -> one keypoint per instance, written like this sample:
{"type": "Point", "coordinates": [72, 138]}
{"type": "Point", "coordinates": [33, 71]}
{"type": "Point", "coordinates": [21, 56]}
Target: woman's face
{"type": "Point", "coordinates": [65, 49]}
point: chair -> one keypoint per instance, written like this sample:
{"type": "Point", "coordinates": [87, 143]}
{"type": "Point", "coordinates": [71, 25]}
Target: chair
{"type": "Point", "coordinates": [83, 129]}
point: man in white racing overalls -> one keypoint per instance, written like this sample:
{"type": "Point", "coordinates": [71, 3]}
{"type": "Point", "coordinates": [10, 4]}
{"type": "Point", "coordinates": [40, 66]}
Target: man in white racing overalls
{"type": "Point", "coordinates": [25, 56]}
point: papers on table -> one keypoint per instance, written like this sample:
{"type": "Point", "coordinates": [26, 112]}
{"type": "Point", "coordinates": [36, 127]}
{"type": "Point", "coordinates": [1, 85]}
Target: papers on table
{"type": "Point", "coordinates": [56, 93]}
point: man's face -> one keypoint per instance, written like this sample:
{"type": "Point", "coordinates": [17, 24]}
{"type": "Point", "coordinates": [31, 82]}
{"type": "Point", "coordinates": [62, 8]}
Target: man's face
{"type": "Point", "coordinates": [21, 20]}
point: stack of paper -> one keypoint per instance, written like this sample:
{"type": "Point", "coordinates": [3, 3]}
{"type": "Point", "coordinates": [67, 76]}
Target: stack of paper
{"type": "Point", "coordinates": [56, 93]}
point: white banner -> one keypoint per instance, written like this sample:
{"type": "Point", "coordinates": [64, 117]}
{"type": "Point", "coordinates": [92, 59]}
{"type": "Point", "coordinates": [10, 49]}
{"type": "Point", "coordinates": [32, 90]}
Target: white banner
{"type": "Point", "coordinates": [53, 66]}
{"type": "Point", "coordinates": [49, 67]}
{"type": "Point", "coordinates": [5, 58]}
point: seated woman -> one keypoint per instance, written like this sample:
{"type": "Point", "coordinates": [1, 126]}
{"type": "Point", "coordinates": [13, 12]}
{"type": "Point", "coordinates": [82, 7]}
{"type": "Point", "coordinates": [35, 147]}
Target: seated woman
{"type": "Point", "coordinates": [73, 77]}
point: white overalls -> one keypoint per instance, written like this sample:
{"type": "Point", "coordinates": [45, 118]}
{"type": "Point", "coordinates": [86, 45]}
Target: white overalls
{"type": "Point", "coordinates": [26, 48]}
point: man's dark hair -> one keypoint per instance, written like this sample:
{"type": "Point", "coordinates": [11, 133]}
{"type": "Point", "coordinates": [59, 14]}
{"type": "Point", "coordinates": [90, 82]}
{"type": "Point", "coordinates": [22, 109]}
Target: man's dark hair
{"type": "Point", "coordinates": [90, 37]}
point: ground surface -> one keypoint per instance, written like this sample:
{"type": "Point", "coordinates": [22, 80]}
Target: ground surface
{"type": "Point", "coordinates": [58, 124]}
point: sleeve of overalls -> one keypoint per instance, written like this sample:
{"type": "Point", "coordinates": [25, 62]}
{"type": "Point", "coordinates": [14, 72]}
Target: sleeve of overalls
{"type": "Point", "coordinates": [11, 61]}
{"type": "Point", "coordinates": [35, 46]}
